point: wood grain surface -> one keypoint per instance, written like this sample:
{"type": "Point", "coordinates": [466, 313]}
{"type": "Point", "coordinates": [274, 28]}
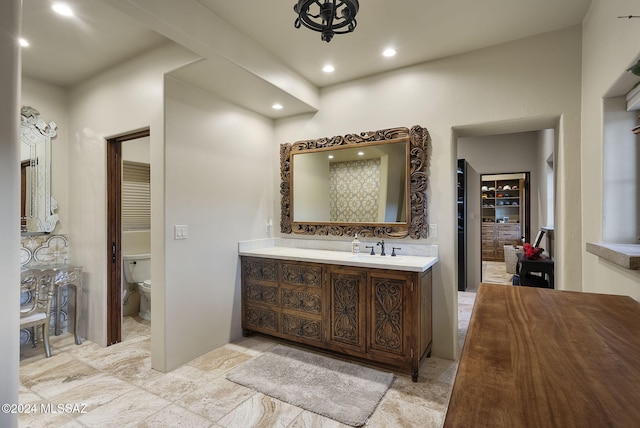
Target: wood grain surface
{"type": "Point", "coordinates": [546, 358]}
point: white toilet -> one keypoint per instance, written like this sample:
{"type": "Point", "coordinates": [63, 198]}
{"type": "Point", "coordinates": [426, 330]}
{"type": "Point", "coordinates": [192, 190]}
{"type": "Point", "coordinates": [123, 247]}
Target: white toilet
{"type": "Point", "coordinates": [137, 270]}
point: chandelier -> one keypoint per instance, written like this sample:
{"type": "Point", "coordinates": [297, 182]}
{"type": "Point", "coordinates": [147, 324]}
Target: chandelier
{"type": "Point", "coordinates": [328, 17]}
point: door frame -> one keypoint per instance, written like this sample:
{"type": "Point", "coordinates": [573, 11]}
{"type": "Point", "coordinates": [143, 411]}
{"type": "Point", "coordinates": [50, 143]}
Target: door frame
{"type": "Point", "coordinates": [114, 233]}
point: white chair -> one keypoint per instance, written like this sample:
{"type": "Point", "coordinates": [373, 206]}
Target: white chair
{"type": "Point", "coordinates": [36, 295]}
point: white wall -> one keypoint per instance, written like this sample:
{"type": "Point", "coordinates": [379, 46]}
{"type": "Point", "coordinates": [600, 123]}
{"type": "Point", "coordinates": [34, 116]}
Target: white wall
{"type": "Point", "coordinates": [311, 190]}
{"type": "Point", "coordinates": [218, 183]}
{"type": "Point", "coordinates": [531, 78]}
{"type": "Point", "coordinates": [545, 173]}
{"type": "Point", "coordinates": [620, 174]}
{"type": "Point", "coordinates": [126, 98]}
{"type": "Point", "coordinates": [10, 12]}
{"type": "Point", "coordinates": [609, 47]}
{"type": "Point", "coordinates": [506, 153]}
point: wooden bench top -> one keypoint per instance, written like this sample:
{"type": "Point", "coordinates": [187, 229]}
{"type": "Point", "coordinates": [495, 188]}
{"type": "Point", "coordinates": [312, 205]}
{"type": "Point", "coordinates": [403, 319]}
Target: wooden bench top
{"type": "Point", "coordinates": [537, 357]}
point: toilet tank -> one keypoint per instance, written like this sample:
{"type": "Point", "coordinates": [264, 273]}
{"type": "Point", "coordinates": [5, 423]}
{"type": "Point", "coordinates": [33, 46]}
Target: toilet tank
{"type": "Point", "coordinates": [136, 267]}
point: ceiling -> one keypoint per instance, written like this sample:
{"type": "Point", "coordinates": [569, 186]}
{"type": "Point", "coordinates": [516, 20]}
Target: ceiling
{"type": "Point", "coordinates": [105, 33]}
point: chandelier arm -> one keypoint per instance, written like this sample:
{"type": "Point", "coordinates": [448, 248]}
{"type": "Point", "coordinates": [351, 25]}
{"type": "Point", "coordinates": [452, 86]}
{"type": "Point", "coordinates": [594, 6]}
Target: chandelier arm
{"type": "Point", "coordinates": [334, 16]}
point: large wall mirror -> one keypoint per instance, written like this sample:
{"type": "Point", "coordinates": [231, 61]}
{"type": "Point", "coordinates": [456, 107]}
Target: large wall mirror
{"type": "Point", "coordinates": [372, 183]}
{"type": "Point", "coordinates": [37, 208]}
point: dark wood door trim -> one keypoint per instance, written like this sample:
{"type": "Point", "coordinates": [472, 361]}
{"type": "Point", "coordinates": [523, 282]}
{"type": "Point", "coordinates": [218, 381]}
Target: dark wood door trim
{"type": "Point", "coordinates": [114, 234]}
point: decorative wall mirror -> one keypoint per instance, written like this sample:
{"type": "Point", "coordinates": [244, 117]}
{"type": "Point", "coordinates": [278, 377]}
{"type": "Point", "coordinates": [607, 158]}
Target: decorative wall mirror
{"type": "Point", "coordinates": [372, 183]}
{"type": "Point", "coordinates": [37, 205]}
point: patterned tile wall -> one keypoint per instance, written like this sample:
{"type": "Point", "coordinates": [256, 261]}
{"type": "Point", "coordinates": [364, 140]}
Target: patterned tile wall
{"type": "Point", "coordinates": [44, 249]}
{"type": "Point", "coordinates": [354, 189]}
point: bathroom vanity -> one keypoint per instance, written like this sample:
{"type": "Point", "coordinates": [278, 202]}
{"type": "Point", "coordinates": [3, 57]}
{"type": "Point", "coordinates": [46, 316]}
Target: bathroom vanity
{"type": "Point", "coordinates": [373, 309]}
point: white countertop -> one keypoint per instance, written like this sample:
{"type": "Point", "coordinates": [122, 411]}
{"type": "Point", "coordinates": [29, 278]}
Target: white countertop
{"type": "Point", "coordinates": [400, 262]}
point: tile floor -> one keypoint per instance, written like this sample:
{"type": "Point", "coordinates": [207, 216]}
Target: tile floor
{"type": "Point", "coordinates": [496, 273]}
{"type": "Point", "coordinates": [116, 386]}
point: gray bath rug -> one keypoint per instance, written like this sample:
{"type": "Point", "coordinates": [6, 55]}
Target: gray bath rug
{"type": "Point", "coordinates": [342, 391]}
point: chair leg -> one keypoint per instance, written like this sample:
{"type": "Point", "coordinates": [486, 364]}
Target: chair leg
{"type": "Point", "coordinates": [45, 336]}
{"type": "Point", "coordinates": [34, 336]}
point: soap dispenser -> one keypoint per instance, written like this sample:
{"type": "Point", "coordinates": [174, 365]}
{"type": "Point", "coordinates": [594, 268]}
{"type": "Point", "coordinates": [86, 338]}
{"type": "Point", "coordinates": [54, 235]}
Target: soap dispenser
{"type": "Point", "coordinates": [355, 245]}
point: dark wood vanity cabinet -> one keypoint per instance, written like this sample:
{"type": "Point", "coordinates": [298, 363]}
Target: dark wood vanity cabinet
{"type": "Point", "coordinates": [379, 316]}
{"type": "Point", "coordinates": [346, 309]}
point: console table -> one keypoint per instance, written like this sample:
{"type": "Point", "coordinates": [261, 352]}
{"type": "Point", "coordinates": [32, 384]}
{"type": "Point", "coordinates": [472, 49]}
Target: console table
{"type": "Point", "coordinates": [69, 276]}
{"type": "Point", "coordinates": [536, 357]}
{"type": "Point", "coordinates": [543, 266]}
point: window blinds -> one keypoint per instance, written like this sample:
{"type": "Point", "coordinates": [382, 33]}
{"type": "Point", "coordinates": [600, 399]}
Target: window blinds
{"type": "Point", "coordinates": [136, 196]}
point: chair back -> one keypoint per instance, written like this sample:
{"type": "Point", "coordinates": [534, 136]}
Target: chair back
{"type": "Point", "coordinates": [36, 292]}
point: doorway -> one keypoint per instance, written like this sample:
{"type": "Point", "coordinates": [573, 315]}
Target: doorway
{"type": "Point", "coordinates": [512, 151]}
{"type": "Point", "coordinates": [114, 232]}
{"type": "Point", "coordinates": [506, 224]}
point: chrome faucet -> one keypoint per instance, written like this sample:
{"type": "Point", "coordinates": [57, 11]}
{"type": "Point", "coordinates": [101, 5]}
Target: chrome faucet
{"type": "Point", "coordinates": [381, 244]}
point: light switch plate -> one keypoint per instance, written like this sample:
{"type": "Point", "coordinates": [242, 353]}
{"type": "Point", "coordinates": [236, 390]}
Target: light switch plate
{"type": "Point", "coordinates": [180, 231]}
{"type": "Point", "coordinates": [433, 230]}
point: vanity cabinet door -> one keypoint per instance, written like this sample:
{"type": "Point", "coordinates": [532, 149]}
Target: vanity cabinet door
{"type": "Point", "coordinates": [301, 302]}
{"type": "Point", "coordinates": [260, 295]}
{"type": "Point", "coordinates": [346, 301]}
{"type": "Point", "coordinates": [390, 309]}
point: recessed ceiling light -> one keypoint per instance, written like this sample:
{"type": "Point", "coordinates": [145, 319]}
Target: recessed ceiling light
{"type": "Point", "coordinates": [328, 68]}
{"type": "Point", "coordinates": [360, 153]}
{"type": "Point", "coordinates": [23, 42]}
{"type": "Point", "coordinates": [62, 9]}
{"type": "Point", "coordinates": [330, 156]}
{"type": "Point", "coordinates": [389, 52]}
{"type": "Point", "coordinates": [277, 106]}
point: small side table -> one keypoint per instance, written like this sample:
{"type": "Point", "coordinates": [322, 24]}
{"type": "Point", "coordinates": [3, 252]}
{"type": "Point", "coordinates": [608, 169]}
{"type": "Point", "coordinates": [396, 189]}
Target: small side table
{"type": "Point", "coordinates": [543, 266]}
{"type": "Point", "coordinates": [69, 276]}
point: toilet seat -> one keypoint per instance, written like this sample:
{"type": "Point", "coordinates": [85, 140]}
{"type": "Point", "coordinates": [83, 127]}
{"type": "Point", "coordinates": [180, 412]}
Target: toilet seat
{"type": "Point", "coordinates": [146, 285]}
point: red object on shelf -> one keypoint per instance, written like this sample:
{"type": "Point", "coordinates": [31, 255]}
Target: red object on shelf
{"type": "Point", "coordinates": [531, 252]}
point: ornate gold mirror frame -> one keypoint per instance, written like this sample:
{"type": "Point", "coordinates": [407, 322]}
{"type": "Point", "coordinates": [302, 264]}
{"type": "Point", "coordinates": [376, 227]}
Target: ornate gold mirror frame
{"type": "Point", "coordinates": [416, 223]}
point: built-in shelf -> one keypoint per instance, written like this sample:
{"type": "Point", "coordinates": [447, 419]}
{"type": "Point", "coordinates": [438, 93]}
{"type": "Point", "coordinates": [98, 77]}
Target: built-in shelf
{"type": "Point", "coordinates": [625, 255]}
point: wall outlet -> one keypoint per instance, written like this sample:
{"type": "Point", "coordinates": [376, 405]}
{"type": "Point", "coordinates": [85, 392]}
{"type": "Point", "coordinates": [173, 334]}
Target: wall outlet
{"type": "Point", "coordinates": [269, 225]}
{"type": "Point", "coordinates": [433, 231]}
{"type": "Point", "coordinates": [180, 231]}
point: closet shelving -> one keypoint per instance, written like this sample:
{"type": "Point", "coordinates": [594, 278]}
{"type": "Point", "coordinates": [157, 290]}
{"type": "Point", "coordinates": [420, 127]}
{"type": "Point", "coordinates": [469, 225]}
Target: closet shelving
{"type": "Point", "coordinates": [502, 214]}
{"type": "Point", "coordinates": [501, 201]}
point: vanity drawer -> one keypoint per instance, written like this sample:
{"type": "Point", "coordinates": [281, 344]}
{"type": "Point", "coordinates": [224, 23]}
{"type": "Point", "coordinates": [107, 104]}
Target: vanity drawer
{"type": "Point", "coordinates": [302, 274]}
{"type": "Point", "coordinates": [258, 269]}
{"type": "Point", "coordinates": [255, 292]}
{"type": "Point", "coordinates": [260, 319]}
{"type": "Point", "coordinates": [301, 328]}
{"type": "Point", "coordinates": [301, 300]}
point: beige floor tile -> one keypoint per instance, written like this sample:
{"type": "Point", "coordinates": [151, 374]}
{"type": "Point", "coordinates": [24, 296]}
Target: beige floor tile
{"type": "Point", "coordinates": [495, 273]}
{"type": "Point", "coordinates": [394, 411]}
{"type": "Point", "coordinates": [94, 393]}
{"type": "Point", "coordinates": [261, 411]}
{"type": "Point", "coordinates": [49, 379]}
{"type": "Point", "coordinates": [174, 416]}
{"type": "Point", "coordinates": [46, 419]}
{"type": "Point", "coordinates": [252, 345]}
{"type": "Point", "coordinates": [216, 398]}
{"type": "Point", "coordinates": [219, 361]}
{"type": "Point", "coordinates": [308, 419]}
{"type": "Point", "coordinates": [127, 410]}
{"type": "Point", "coordinates": [173, 385]}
